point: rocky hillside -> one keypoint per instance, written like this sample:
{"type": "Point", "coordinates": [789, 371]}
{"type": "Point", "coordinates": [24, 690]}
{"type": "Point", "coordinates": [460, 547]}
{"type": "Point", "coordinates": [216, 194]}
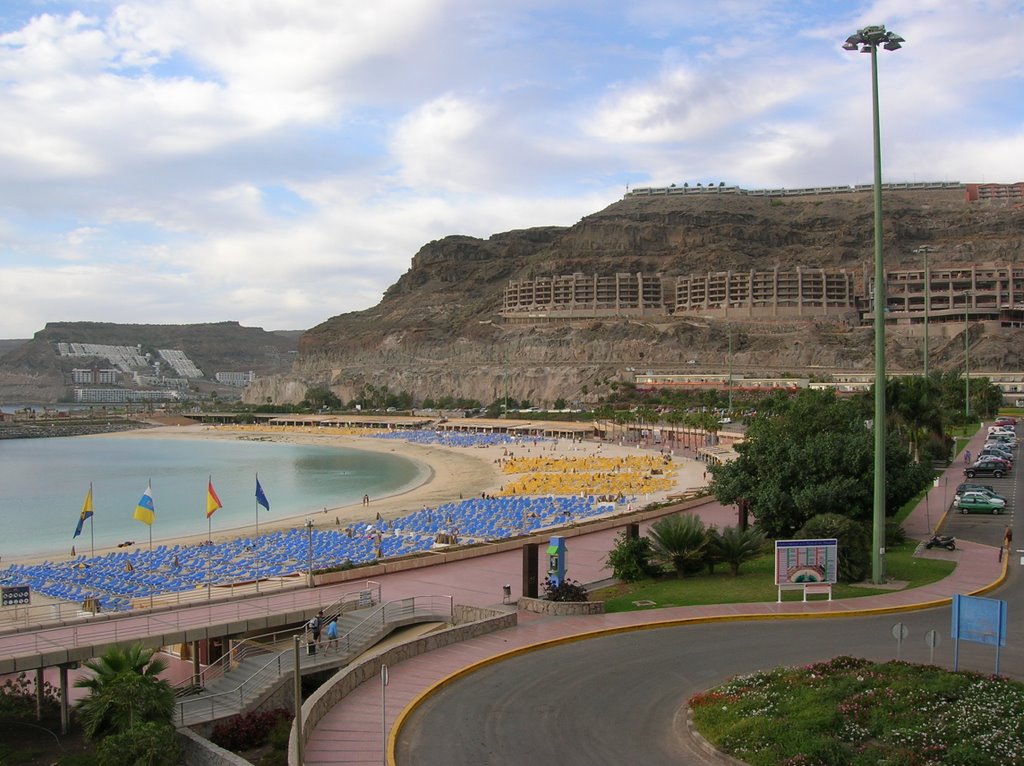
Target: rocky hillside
{"type": "Point", "coordinates": [437, 329]}
{"type": "Point", "coordinates": [32, 371]}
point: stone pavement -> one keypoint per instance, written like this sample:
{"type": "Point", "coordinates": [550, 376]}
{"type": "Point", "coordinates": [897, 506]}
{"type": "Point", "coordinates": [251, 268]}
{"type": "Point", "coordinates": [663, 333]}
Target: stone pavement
{"type": "Point", "coordinates": [353, 731]}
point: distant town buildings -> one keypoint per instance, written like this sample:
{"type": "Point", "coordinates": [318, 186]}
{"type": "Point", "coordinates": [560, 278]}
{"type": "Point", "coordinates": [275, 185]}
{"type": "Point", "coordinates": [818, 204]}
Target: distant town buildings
{"type": "Point", "coordinates": [121, 396]}
{"type": "Point", "coordinates": [239, 379]}
{"type": "Point", "coordinates": [721, 188]}
{"type": "Point", "coordinates": [774, 294]}
{"type": "Point", "coordinates": [989, 292]}
{"type": "Point", "coordinates": [977, 192]}
{"type": "Point", "coordinates": [95, 375]}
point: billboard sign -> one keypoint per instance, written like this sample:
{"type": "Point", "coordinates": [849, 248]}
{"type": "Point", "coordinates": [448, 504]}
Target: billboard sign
{"type": "Point", "coordinates": [799, 562]}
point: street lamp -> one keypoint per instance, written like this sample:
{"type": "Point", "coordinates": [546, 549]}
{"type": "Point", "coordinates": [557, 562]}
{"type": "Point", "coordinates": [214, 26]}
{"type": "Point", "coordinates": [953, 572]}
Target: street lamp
{"type": "Point", "coordinates": [309, 561]}
{"type": "Point", "coordinates": [967, 348]}
{"type": "Point", "coordinates": [730, 369]}
{"type": "Point", "coordinates": [924, 250]}
{"type": "Point", "coordinates": [867, 40]}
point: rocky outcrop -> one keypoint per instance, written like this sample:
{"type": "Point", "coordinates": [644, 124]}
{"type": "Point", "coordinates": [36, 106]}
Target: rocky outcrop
{"type": "Point", "coordinates": [437, 330]}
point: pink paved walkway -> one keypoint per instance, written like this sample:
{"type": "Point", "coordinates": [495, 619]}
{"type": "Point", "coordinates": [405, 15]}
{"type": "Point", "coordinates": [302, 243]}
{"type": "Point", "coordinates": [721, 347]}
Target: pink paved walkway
{"type": "Point", "coordinates": [352, 733]}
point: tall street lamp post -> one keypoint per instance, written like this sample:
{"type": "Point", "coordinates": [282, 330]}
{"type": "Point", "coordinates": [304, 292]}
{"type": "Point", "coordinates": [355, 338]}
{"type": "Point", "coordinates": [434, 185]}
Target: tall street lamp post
{"type": "Point", "coordinates": [924, 250]}
{"type": "Point", "coordinates": [967, 349]}
{"type": "Point", "coordinates": [867, 40]}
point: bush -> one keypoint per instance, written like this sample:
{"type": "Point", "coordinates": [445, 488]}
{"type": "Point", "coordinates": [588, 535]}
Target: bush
{"type": "Point", "coordinates": [567, 590]}
{"type": "Point", "coordinates": [854, 543]}
{"type": "Point", "coordinates": [249, 730]}
{"type": "Point", "coordinates": [895, 534]}
{"type": "Point", "coordinates": [680, 542]}
{"type": "Point", "coordinates": [18, 698]}
{"type": "Point", "coordinates": [145, 744]}
{"type": "Point", "coordinates": [630, 558]}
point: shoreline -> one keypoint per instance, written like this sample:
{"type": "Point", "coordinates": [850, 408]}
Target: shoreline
{"type": "Point", "coordinates": [446, 474]}
{"type": "Point", "coordinates": [439, 469]}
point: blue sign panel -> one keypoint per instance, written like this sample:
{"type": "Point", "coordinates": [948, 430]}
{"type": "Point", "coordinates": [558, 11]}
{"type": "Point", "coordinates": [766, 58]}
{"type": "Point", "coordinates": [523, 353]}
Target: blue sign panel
{"type": "Point", "coordinates": [982, 620]}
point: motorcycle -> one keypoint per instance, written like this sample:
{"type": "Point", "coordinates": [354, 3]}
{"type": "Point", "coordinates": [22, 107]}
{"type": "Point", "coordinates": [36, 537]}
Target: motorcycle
{"type": "Point", "coordinates": [942, 541]}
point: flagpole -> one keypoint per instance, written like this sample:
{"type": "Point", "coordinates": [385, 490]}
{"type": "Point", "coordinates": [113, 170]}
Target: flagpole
{"type": "Point", "coordinates": [256, 539]}
{"type": "Point", "coordinates": [92, 532]}
{"type": "Point", "coordinates": [209, 538]}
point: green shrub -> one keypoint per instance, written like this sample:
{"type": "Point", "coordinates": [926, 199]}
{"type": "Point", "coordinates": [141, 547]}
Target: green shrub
{"type": "Point", "coordinates": [680, 542]}
{"type": "Point", "coordinates": [567, 590]}
{"type": "Point", "coordinates": [144, 744]}
{"type": "Point", "coordinates": [249, 730]}
{"type": "Point", "coordinates": [854, 543]}
{"type": "Point", "coordinates": [630, 558]}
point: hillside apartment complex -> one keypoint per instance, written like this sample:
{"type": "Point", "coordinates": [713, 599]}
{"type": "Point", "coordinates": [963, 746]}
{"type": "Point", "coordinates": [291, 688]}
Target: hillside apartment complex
{"type": "Point", "coordinates": [990, 292]}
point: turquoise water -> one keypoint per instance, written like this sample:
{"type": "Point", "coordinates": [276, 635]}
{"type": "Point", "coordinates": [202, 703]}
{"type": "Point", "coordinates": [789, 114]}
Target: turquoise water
{"type": "Point", "coordinates": [43, 483]}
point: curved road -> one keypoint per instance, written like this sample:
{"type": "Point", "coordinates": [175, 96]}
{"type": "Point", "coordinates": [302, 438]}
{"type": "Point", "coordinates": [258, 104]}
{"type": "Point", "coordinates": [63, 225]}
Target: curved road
{"type": "Point", "coordinates": [620, 698]}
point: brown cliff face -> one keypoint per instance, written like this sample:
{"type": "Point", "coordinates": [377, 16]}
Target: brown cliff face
{"type": "Point", "coordinates": [437, 330]}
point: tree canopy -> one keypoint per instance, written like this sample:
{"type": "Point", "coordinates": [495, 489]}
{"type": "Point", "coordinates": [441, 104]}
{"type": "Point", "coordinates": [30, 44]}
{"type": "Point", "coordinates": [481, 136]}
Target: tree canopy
{"type": "Point", "coordinates": [813, 454]}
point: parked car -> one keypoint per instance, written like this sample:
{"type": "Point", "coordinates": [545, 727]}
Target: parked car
{"type": "Point", "coordinates": [995, 441]}
{"type": "Point", "coordinates": [986, 468]}
{"type": "Point", "coordinates": [986, 493]}
{"type": "Point", "coordinates": [1007, 465]}
{"type": "Point", "coordinates": [979, 502]}
{"type": "Point", "coordinates": [1007, 439]}
{"type": "Point", "coordinates": [968, 486]}
{"type": "Point", "coordinates": [996, 452]}
{"type": "Point", "coordinates": [982, 488]}
{"type": "Point", "coordinates": [994, 430]}
{"type": "Point", "coordinates": [1005, 420]}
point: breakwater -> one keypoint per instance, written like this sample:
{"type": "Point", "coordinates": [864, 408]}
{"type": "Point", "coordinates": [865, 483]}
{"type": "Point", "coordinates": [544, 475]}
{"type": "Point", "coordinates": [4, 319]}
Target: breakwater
{"type": "Point", "coordinates": [37, 429]}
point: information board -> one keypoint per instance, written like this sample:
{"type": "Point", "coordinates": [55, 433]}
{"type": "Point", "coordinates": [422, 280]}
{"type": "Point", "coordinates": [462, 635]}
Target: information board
{"type": "Point", "coordinates": [15, 595]}
{"type": "Point", "coordinates": [805, 561]}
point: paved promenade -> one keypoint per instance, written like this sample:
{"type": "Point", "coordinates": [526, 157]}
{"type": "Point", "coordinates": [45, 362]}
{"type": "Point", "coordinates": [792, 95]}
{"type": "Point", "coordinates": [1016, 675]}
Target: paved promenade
{"type": "Point", "coordinates": [352, 732]}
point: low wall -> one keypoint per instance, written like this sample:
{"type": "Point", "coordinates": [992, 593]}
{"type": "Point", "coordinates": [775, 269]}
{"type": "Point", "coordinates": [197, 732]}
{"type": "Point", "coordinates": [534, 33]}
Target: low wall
{"type": "Point", "coordinates": [479, 621]}
{"type": "Point", "coordinates": [197, 751]}
{"type": "Point", "coordinates": [560, 608]}
{"type": "Point", "coordinates": [486, 549]}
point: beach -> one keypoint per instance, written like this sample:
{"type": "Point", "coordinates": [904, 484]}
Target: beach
{"type": "Point", "coordinates": [449, 474]}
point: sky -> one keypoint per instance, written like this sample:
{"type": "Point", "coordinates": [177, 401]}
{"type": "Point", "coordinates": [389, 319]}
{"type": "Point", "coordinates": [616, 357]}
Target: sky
{"type": "Point", "coordinates": [279, 162]}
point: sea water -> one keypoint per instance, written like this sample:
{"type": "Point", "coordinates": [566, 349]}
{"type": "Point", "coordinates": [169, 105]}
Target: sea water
{"type": "Point", "coordinates": [43, 484]}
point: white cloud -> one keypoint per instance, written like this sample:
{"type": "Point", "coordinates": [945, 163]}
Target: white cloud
{"type": "Point", "coordinates": [279, 162]}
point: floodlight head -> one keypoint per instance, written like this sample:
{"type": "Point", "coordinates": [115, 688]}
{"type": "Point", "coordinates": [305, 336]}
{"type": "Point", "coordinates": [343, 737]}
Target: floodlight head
{"type": "Point", "coordinates": [892, 45]}
{"type": "Point", "coordinates": [850, 46]}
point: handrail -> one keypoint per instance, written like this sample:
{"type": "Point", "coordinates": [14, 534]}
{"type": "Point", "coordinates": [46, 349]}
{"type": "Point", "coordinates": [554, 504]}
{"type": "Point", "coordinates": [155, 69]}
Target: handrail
{"type": "Point", "coordinates": [250, 646]}
{"type": "Point", "coordinates": [382, 615]}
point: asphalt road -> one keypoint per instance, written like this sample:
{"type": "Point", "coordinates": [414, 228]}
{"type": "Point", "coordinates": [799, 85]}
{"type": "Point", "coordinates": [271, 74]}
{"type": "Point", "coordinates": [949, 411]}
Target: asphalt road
{"type": "Point", "coordinates": [621, 699]}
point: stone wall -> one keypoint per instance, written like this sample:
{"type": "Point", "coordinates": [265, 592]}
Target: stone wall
{"type": "Point", "coordinates": [197, 751]}
{"type": "Point", "coordinates": [560, 608]}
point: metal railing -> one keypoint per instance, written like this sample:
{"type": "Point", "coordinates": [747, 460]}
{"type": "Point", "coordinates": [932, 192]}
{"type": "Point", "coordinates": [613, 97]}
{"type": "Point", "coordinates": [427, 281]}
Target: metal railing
{"type": "Point", "coordinates": [113, 628]}
{"type": "Point", "coordinates": [361, 637]}
{"type": "Point", "coordinates": [264, 643]}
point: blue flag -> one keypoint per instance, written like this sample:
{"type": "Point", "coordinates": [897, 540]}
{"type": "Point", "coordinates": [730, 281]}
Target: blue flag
{"type": "Point", "coordinates": [261, 496]}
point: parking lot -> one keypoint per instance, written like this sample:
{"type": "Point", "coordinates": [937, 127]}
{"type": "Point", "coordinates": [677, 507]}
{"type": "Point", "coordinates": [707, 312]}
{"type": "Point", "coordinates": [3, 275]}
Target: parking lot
{"type": "Point", "coordinates": [985, 528]}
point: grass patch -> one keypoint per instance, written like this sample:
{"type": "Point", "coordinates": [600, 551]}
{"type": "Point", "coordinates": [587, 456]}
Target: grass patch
{"type": "Point", "coordinates": [756, 583]}
{"type": "Point", "coordinates": [851, 711]}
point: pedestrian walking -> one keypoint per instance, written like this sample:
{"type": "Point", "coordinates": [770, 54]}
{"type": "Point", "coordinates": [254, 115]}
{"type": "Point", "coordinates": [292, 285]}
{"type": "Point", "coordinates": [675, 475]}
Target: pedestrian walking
{"type": "Point", "coordinates": [332, 633]}
{"type": "Point", "coordinates": [315, 625]}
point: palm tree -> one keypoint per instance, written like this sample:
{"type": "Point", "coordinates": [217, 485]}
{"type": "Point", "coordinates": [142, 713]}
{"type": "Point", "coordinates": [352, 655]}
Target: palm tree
{"type": "Point", "coordinates": [733, 546]}
{"type": "Point", "coordinates": [124, 690]}
{"type": "Point", "coordinates": [680, 542]}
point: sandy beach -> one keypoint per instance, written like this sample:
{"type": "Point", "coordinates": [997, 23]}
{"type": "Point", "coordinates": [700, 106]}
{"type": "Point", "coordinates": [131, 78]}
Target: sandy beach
{"type": "Point", "coordinates": [451, 473]}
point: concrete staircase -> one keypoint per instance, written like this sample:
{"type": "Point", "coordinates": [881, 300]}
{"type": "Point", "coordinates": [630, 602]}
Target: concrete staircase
{"type": "Point", "coordinates": [258, 670]}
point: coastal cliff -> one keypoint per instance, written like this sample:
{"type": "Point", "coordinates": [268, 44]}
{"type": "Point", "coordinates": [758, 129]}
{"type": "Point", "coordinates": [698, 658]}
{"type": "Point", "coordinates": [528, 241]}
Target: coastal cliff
{"type": "Point", "coordinates": [437, 330]}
